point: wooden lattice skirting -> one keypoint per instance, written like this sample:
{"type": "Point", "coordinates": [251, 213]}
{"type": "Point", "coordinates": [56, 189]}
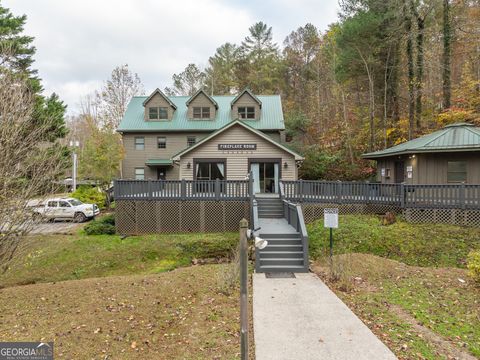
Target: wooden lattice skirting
{"type": "Point", "coordinates": [461, 217]}
{"type": "Point", "coordinates": [156, 216]}
{"type": "Point", "coordinates": [314, 211]}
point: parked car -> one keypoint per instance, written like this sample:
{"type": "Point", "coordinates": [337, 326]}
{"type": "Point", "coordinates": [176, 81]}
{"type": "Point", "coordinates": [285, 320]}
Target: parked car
{"type": "Point", "coordinates": [66, 208]}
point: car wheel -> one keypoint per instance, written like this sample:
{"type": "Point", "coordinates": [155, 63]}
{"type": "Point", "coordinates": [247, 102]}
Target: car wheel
{"type": "Point", "coordinates": [79, 217]}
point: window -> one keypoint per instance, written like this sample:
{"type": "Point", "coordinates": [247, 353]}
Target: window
{"type": "Point", "coordinates": [210, 171]}
{"type": "Point", "coordinates": [64, 204]}
{"type": "Point", "coordinates": [75, 202]}
{"type": "Point", "coordinates": [139, 174]}
{"type": "Point", "coordinates": [456, 171]}
{"type": "Point", "coordinates": [191, 140]}
{"type": "Point", "coordinates": [140, 143]}
{"type": "Point", "coordinates": [161, 142]}
{"type": "Point", "coordinates": [201, 112]}
{"type": "Point", "coordinates": [246, 112]}
{"type": "Point", "coordinates": [158, 113]}
{"type": "Point", "coordinates": [52, 204]}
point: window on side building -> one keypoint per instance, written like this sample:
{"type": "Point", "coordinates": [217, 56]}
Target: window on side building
{"type": "Point", "coordinates": [191, 140]}
{"type": "Point", "coordinates": [456, 171]}
{"type": "Point", "coordinates": [139, 174]}
{"type": "Point", "coordinates": [161, 142]}
{"type": "Point", "coordinates": [139, 143]}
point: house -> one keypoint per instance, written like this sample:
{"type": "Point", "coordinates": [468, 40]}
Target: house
{"type": "Point", "coordinates": [449, 155]}
{"type": "Point", "coordinates": [203, 137]}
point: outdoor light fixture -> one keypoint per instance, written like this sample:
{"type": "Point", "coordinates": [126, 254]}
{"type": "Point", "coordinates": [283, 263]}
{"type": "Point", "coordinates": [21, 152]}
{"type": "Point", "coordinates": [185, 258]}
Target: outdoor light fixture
{"type": "Point", "coordinates": [285, 165]}
{"type": "Point", "coordinates": [260, 243]}
{"type": "Point", "coordinates": [188, 165]}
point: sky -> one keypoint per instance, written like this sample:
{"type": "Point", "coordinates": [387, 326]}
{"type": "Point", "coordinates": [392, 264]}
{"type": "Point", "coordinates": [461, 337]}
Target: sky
{"type": "Point", "coordinates": [79, 42]}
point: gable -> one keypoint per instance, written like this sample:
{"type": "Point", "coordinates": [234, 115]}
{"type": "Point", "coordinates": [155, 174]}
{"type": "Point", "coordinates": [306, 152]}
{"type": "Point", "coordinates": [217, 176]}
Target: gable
{"type": "Point", "coordinates": [245, 100]}
{"type": "Point", "coordinates": [242, 134]}
{"type": "Point", "coordinates": [201, 100]}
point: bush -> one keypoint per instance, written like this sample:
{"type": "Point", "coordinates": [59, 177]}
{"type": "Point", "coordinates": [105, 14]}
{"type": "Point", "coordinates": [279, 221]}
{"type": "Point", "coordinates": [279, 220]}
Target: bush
{"type": "Point", "coordinates": [99, 228]}
{"type": "Point", "coordinates": [107, 219]}
{"type": "Point", "coordinates": [473, 264]}
{"type": "Point", "coordinates": [90, 195]}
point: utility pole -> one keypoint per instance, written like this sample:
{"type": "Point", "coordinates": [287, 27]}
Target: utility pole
{"type": "Point", "coordinates": [243, 290]}
{"type": "Point", "coordinates": [74, 144]}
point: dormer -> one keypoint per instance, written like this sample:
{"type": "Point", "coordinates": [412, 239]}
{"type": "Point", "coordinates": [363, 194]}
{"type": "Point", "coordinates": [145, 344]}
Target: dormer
{"type": "Point", "coordinates": [158, 107]}
{"type": "Point", "coordinates": [201, 106]}
{"type": "Point", "coordinates": [246, 106]}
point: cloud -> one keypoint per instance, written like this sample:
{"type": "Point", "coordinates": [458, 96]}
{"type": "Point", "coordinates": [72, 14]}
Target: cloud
{"type": "Point", "coordinates": [79, 42]}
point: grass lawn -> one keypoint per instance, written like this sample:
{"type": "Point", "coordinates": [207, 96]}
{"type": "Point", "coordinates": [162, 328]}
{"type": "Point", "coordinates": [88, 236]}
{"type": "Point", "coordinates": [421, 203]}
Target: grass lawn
{"type": "Point", "coordinates": [45, 258]}
{"type": "Point", "coordinates": [423, 306]}
{"type": "Point", "coordinates": [413, 244]}
{"type": "Point", "coordinates": [180, 314]}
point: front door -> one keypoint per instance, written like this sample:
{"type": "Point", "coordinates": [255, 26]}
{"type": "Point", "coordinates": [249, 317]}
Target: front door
{"type": "Point", "coordinates": [161, 173]}
{"type": "Point", "coordinates": [399, 172]}
{"type": "Point", "coordinates": [265, 176]}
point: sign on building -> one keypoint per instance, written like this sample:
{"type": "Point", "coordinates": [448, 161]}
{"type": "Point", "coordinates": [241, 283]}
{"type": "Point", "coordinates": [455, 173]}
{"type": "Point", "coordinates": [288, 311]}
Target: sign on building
{"type": "Point", "coordinates": [330, 218]}
{"type": "Point", "coordinates": [237, 146]}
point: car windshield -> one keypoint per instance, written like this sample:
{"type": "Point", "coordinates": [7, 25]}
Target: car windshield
{"type": "Point", "coordinates": [75, 202]}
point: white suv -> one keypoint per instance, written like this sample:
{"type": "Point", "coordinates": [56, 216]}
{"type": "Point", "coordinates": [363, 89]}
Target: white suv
{"type": "Point", "coordinates": [66, 208]}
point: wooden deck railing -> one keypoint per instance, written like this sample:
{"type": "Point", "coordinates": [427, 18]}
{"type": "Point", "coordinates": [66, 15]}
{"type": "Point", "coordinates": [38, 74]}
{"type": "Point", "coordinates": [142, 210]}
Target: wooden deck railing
{"type": "Point", "coordinates": [460, 196]}
{"type": "Point", "coordinates": [182, 190]}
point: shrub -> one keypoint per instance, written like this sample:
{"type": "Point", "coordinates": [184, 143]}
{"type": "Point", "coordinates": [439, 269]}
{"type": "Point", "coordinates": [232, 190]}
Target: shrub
{"type": "Point", "coordinates": [99, 228]}
{"type": "Point", "coordinates": [473, 264]}
{"type": "Point", "coordinates": [90, 195]}
{"type": "Point", "coordinates": [107, 219]}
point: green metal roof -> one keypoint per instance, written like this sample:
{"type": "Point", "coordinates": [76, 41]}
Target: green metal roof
{"type": "Point", "coordinates": [158, 162]}
{"type": "Point", "coordinates": [133, 121]}
{"type": "Point", "coordinates": [454, 137]}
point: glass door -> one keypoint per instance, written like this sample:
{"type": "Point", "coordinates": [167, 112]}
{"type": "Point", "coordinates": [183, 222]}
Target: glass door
{"type": "Point", "coordinates": [265, 176]}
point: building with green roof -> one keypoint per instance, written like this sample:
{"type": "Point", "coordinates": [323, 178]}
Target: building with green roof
{"type": "Point", "coordinates": [207, 137]}
{"type": "Point", "coordinates": [449, 155]}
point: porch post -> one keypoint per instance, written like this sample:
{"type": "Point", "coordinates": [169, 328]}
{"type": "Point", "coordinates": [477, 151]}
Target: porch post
{"type": "Point", "coordinates": [243, 290]}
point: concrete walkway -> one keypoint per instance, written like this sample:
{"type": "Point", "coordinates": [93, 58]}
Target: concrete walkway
{"type": "Point", "coordinates": [301, 318]}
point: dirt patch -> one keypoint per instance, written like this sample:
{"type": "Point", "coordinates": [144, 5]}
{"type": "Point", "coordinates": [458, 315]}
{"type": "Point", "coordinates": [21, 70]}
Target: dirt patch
{"type": "Point", "coordinates": [177, 315]}
{"type": "Point", "coordinates": [444, 346]}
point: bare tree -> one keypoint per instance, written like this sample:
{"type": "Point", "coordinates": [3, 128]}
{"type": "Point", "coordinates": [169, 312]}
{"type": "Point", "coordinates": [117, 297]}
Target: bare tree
{"type": "Point", "coordinates": [28, 166]}
{"type": "Point", "coordinates": [116, 93]}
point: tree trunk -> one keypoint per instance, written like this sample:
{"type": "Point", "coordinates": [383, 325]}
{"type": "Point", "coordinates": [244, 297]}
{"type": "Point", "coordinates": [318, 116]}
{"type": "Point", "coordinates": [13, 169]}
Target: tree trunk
{"type": "Point", "coordinates": [419, 77]}
{"type": "Point", "coordinates": [447, 39]}
{"type": "Point", "coordinates": [411, 72]}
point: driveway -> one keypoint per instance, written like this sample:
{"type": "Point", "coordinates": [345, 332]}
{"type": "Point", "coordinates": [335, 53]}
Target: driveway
{"type": "Point", "coordinates": [57, 227]}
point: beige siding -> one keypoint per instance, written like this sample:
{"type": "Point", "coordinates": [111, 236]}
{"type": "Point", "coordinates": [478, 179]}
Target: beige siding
{"type": "Point", "coordinates": [201, 101]}
{"type": "Point", "coordinates": [158, 101]}
{"type": "Point", "coordinates": [137, 158]}
{"type": "Point", "coordinates": [237, 161]}
{"type": "Point", "coordinates": [246, 100]}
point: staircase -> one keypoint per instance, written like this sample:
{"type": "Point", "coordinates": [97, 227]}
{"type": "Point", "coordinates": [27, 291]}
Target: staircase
{"type": "Point", "coordinates": [284, 253]}
{"type": "Point", "coordinates": [270, 207]}
{"type": "Point", "coordinates": [285, 249]}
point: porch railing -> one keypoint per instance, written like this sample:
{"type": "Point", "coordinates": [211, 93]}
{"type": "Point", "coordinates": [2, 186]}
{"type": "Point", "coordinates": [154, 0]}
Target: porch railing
{"type": "Point", "coordinates": [402, 195]}
{"type": "Point", "coordinates": [182, 189]}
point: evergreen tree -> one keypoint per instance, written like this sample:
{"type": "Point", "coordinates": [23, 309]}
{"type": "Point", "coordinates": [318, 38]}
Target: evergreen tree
{"type": "Point", "coordinates": [16, 57]}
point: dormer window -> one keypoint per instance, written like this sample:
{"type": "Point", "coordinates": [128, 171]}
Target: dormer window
{"type": "Point", "coordinates": [158, 113]}
{"type": "Point", "coordinates": [246, 112]}
{"type": "Point", "coordinates": [201, 112]}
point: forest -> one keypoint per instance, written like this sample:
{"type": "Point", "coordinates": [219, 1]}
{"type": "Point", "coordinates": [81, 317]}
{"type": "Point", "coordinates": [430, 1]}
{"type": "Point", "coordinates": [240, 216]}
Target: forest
{"type": "Point", "coordinates": [386, 72]}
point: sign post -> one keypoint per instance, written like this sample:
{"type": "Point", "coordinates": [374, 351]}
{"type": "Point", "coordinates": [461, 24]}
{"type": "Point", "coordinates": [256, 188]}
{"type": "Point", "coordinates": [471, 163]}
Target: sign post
{"type": "Point", "coordinates": [330, 220]}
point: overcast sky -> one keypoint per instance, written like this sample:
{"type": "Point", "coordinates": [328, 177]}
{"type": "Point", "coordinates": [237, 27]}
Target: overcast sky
{"type": "Point", "coordinates": [79, 42]}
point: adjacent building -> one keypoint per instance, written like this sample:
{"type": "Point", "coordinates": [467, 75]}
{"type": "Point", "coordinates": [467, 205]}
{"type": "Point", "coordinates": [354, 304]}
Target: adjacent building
{"type": "Point", "coordinates": [448, 156]}
{"type": "Point", "coordinates": [206, 137]}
